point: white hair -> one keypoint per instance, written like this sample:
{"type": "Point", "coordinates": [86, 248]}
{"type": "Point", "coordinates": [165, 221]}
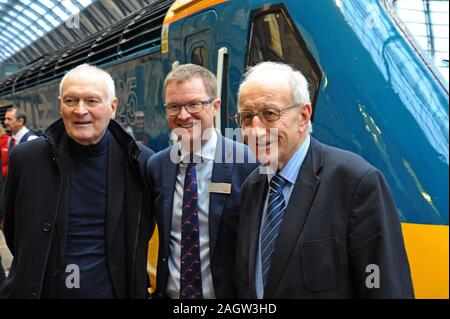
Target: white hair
{"type": "Point", "coordinates": [110, 87]}
{"type": "Point", "coordinates": [270, 72]}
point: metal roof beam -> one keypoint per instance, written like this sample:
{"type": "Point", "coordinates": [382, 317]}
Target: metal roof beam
{"type": "Point", "coordinates": [36, 18]}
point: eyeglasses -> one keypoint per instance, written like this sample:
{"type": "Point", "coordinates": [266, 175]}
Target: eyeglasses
{"type": "Point", "coordinates": [267, 115]}
{"type": "Point", "coordinates": [191, 108]}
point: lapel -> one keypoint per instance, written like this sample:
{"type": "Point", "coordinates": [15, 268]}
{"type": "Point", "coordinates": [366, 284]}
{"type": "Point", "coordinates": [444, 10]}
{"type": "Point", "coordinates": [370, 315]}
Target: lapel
{"type": "Point", "coordinates": [168, 177]}
{"type": "Point", "coordinates": [221, 174]}
{"type": "Point", "coordinates": [258, 191]}
{"type": "Point", "coordinates": [115, 188]}
{"type": "Point", "coordinates": [63, 159]}
{"type": "Point", "coordinates": [296, 214]}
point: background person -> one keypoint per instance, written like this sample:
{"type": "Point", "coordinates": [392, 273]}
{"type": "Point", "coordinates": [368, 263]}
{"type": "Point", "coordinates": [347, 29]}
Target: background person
{"type": "Point", "coordinates": [4, 142]}
{"type": "Point", "coordinates": [15, 121]}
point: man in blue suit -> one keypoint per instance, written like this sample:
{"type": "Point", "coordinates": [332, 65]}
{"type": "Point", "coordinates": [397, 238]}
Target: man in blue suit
{"type": "Point", "coordinates": [322, 223]}
{"type": "Point", "coordinates": [196, 187]}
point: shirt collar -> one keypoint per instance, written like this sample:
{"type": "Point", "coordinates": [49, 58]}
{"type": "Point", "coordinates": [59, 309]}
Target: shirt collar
{"type": "Point", "coordinates": [206, 153]}
{"type": "Point", "coordinates": [18, 136]}
{"type": "Point", "coordinates": [292, 168]}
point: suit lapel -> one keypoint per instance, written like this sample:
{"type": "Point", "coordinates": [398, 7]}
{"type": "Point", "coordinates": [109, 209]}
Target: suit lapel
{"type": "Point", "coordinates": [295, 216]}
{"type": "Point", "coordinates": [259, 190]}
{"type": "Point", "coordinates": [116, 188]}
{"type": "Point", "coordinates": [221, 174]}
{"type": "Point", "coordinates": [169, 175]}
{"type": "Point", "coordinates": [62, 218]}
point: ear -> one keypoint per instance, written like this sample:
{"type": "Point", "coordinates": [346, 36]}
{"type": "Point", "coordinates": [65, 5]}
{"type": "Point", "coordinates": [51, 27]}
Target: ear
{"type": "Point", "coordinates": [216, 105]}
{"type": "Point", "coordinates": [114, 104]}
{"type": "Point", "coordinates": [304, 117]}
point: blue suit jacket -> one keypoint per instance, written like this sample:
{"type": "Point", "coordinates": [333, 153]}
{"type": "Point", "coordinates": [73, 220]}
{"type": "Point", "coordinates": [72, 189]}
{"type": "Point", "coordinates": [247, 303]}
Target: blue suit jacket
{"type": "Point", "coordinates": [223, 211]}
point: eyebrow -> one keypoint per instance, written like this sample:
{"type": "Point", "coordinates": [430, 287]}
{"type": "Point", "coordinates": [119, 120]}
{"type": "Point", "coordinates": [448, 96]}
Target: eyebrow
{"type": "Point", "coordinates": [264, 106]}
{"type": "Point", "coordinates": [184, 103]}
{"type": "Point", "coordinates": [70, 95]}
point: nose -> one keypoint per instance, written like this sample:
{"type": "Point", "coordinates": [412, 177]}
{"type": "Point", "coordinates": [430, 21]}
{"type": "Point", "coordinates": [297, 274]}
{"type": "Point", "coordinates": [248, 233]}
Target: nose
{"type": "Point", "coordinates": [257, 124]}
{"type": "Point", "coordinates": [80, 108]}
{"type": "Point", "coordinates": [184, 114]}
{"type": "Point", "coordinates": [254, 131]}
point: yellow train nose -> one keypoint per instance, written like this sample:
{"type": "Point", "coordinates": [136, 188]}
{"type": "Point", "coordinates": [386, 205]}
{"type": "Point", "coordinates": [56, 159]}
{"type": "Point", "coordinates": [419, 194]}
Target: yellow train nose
{"type": "Point", "coordinates": [427, 249]}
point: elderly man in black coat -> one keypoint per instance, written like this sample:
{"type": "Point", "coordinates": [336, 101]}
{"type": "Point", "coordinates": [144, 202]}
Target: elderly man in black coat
{"type": "Point", "coordinates": [76, 217]}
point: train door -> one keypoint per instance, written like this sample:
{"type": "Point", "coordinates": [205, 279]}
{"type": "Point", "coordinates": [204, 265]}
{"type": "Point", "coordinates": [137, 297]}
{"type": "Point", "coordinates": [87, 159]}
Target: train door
{"type": "Point", "coordinates": [200, 47]}
{"type": "Point", "coordinates": [198, 34]}
{"type": "Point", "coordinates": [274, 37]}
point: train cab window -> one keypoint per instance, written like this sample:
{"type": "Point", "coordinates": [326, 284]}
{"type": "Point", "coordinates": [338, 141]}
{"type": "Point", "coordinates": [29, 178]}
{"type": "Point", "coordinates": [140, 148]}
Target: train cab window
{"type": "Point", "coordinates": [199, 56]}
{"type": "Point", "coordinates": [273, 38]}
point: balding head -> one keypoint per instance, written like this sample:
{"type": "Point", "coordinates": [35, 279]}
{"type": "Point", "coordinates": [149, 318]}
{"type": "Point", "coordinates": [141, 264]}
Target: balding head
{"type": "Point", "coordinates": [87, 103]}
{"type": "Point", "coordinates": [89, 69]}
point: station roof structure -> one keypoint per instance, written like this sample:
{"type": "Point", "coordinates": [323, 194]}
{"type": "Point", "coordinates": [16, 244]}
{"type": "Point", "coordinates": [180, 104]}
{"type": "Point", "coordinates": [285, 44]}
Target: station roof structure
{"type": "Point", "coordinates": [30, 29]}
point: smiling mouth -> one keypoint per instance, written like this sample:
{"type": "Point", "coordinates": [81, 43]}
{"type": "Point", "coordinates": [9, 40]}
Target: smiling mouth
{"type": "Point", "coordinates": [190, 125]}
{"type": "Point", "coordinates": [82, 122]}
{"type": "Point", "coordinates": [262, 142]}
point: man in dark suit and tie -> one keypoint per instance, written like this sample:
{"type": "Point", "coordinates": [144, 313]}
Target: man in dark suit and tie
{"type": "Point", "coordinates": [196, 187]}
{"type": "Point", "coordinates": [321, 223]}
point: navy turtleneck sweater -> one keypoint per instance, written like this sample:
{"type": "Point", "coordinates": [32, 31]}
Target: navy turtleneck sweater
{"type": "Point", "coordinates": [86, 229]}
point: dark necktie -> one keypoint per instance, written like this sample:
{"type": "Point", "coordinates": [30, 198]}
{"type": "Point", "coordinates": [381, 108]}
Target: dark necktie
{"type": "Point", "coordinates": [12, 143]}
{"type": "Point", "coordinates": [190, 274]}
{"type": "Point", "coordinates": [276, 207]}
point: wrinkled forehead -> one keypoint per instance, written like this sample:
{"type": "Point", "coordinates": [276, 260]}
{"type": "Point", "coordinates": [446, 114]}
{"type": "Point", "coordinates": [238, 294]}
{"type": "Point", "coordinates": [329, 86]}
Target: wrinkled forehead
{"type": "Point", "coordinates": [261, 90]}
{"type": "Point", "coordinates": [268, 76]}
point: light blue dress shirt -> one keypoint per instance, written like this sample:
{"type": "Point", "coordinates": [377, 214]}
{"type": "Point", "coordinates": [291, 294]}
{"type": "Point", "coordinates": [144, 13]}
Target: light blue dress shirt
{"type": "Point", "coordinates": [289, 172]}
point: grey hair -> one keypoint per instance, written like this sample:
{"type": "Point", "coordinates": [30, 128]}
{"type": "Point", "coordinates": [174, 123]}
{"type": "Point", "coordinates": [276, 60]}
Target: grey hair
{"type": "Point", "coordinates": [110, 87]}
{"type": "Point", "coordinates": [271, 71]}
{"type": "Point", "coordinates": [186, 72]}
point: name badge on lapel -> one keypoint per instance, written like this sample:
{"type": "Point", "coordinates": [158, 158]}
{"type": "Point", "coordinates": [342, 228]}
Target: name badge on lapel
{"type": "Point", "coordinates": [222, 188]}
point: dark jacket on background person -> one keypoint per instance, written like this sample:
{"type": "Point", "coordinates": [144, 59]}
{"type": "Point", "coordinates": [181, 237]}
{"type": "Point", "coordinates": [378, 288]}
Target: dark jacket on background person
{"type": "Point", "coordinates": [36, 203]}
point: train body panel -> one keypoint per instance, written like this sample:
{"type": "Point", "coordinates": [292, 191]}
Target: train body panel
{"type": "Point", "coordinates": [373, 92]}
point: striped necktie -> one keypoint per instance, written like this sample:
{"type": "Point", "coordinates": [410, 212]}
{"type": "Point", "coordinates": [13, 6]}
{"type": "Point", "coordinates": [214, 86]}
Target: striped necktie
{"type": "Point", "coordinates": [276, 207]}
{"type": "Point", "coordinates": [190, 273]}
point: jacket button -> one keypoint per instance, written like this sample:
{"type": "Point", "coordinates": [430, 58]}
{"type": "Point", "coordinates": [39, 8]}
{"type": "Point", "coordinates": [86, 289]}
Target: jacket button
{"type": "Point", "coordinates": [164, 260]}
{"type": "Point", "coordinates": [34, 294]}
{"type": "Point", "coordinates": [46, 227]}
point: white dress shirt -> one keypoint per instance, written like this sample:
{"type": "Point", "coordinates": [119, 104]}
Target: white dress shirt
{"type": "Point", "coordinates": [18, 136]}
{"type": "Point", "coordinates": [204, 172]}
